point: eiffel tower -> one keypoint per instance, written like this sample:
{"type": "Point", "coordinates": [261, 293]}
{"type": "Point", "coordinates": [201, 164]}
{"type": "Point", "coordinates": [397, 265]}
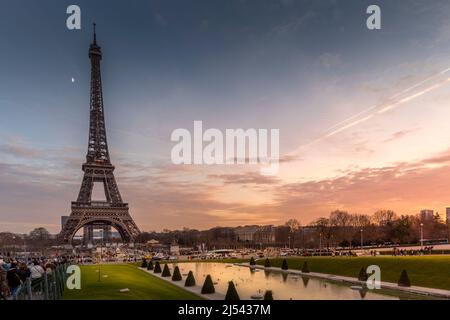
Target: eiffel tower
{"type": "Point", "coordinates": [98, 168]}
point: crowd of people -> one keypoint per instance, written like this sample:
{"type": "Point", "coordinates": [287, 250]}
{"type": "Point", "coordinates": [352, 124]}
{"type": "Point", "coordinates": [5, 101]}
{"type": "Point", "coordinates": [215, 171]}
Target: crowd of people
{"type": "Point", "coordinates": [411, 252]}
{"type": "Point", "coordinates": [15, 272]}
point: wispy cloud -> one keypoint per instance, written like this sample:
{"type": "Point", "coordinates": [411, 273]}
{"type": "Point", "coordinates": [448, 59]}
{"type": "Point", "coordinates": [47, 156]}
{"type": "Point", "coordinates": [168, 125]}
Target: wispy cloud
{"type": "Point", "coordinates": [246, 178]}
{"type": "Point", "coordinates": [399, 134]}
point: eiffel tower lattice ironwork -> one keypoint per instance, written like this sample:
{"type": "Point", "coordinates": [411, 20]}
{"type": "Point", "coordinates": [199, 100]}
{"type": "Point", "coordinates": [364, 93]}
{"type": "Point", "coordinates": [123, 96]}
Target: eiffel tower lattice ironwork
{"type": "Point", "coordinates": [98, 168]}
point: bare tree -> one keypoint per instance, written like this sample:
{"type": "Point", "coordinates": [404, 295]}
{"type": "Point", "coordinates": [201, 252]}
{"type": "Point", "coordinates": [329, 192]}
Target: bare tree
{"type": "Point", "coordinates": [384, 217]}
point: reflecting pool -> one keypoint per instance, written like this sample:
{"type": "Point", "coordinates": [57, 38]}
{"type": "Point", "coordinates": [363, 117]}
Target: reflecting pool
{"type": "Point", "coordinates": [254, 282]}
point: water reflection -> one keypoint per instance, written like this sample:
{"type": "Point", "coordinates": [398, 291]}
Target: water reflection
{"type": "Point", "coordinates": [284, 286]}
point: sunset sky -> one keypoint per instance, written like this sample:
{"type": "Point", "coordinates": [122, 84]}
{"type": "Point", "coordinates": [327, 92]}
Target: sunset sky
{"type": "Point", "coordinates": [364, 116]}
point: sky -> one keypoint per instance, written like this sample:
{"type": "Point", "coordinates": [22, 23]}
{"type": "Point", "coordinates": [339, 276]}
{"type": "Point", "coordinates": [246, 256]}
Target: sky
{"type": "Point", "coordinates": [362, 113]}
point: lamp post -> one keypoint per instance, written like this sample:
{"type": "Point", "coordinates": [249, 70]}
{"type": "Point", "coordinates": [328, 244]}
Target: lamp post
{"type": "Point", "coordinates": [303, 238]}
{"type": "Point", "coordinates": [421, 236]}
{"type": "Point", "coordinates": [14, 241]}
{"type": "Point", "coordinates": [101, 256]}
{"type": "Point", "coordinates": [289, 242]}
{"type": "Point", "coordinates": [362, 239]}
{"type": "Point", "coordinates": [320, 244]}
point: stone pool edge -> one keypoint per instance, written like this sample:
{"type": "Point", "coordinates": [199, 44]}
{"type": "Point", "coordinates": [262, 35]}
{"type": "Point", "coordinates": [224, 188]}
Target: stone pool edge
{"type": "Point", "coordinates": [195, 289]}
{"type": "Point", "coordinates": [424, 291]}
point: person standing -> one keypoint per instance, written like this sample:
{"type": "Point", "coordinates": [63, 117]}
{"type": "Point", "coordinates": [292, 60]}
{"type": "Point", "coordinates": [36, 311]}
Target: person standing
{"type": "Point", "coordinates": [13, 278]}
{"type": "Point", "coordinates": [36, 271]}
{"type": "Point", "coordinates": [4, 290]}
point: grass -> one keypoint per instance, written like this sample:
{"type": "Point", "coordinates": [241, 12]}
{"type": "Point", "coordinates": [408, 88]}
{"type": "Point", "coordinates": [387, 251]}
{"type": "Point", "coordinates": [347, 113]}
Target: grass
{"type": "Point", "coordinates": [424, 271]}
{"type": "Point", "coordinates": [142, 285]}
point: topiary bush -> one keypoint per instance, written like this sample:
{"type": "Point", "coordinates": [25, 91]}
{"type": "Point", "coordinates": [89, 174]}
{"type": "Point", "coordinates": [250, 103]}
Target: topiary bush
{"type": "Point", "coordinates": [144, 263]}
{"type": "Point", "coordinates": [190, 280]}
{"type": "Point", "coordinates": [305, 268]}
{"type": "Point", "coordinates": [404, 279]}
{"type": "Point", "coordinates": [284, 266]}
{"type": "Point", "coordinates": [305, 281]}
{"type": "Point", "coordinates": [231, 292]}
{"type": "Point", "coordinates": [157, 268]}
{"type": "Point", "coordinates": [363, 275]}
{"type": "Point", "coordinates": [362, 293]}
{"type": "Point", "coordinates": [150, 265]}
{"type": "Point", "coordinates": [267, 263]}
{"type": "Point", "coordinates": [166, 271]}
{"type": "Point", "coordinates": [176, 274]}
{"type": "Point", "coordinates": [252, 261]}
{"type": "Point", "coordinates": [208, 286]}
{"type": "Point", "coordinates": [268, 295]}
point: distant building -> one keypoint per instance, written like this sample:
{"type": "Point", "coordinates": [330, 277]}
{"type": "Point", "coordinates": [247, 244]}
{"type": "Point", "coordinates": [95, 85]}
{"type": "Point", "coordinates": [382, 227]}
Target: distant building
{"type": "Point", "coordinates": [174, 249]}
{"type": "Point", "coordinates": [64, 220]}
{"type": "Point", "coordinates": [447, 215]}
{"type": "Point", "coordinates": [265, 234]}
{"type": "Point", "coordinates": [246, 233]}
{"type": "Point", "coordinates": [153, 243]}
{"type": "Point", "coordinates": [115, 235]}
{"type": "Point", "coordinates": [426, 215]}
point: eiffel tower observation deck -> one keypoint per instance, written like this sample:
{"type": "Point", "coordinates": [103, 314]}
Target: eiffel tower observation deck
{"type": "Point", "coordinates": [98, 169]}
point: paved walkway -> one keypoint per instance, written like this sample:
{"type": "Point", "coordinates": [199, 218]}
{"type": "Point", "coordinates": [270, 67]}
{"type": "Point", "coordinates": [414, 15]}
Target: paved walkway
{"type": "Point", "coordinates": [440, 293]}
{"type": "Point", "coordinates": [196, 289]}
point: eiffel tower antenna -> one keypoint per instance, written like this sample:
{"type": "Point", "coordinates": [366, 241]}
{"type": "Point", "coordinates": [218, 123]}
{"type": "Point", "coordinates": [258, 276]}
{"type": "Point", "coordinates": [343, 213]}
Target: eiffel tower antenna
{"type": "Point", "coordinates": [87, 213]}
{"type": "Point", "coordinates": [95, 34]}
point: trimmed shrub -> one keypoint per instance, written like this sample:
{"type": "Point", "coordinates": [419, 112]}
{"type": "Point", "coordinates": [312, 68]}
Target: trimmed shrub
{"type": "Point", "coordinates": [176, 274]}
{"type": "Point", "coordinates": [362, 274]}
{"type": "Point", "coordinates": [305, 281]}
{"type": "Point", "coordinates": [157, 268]}
{"type": "Point", "coordinates": [267, 263]}
{"type": "Point", "coordinates": [305, 268]}
{"type": "Point", "coordinates": [404, 279]}
{"type": "Point", "coordinates": [362, 293]}
{"type": "Point", "coordinates": [190, 280]}
{"type": "Point", "coordinates": [231, 292]}
{"type": "Point", "coordinates": [252, 261]}
{"type": "Point", "coordinates": [284, 266]}
{"type": "Point", "coordinates": [208, 286]}
{"type": "Point", "coordinates": [144, 263]}
{"type": "Point", "coordinates": [150, 265]}
{"type": "Point", "coordinates": [166, 271]}
{"type": "Point", "coordinates": [268, 295]}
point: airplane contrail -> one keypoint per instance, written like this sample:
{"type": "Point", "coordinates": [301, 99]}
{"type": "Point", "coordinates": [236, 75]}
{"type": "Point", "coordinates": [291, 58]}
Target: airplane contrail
{"type": "Point", "coordinates": [373, 111]}
{"type": "Point", "coordinates": [390, 98]}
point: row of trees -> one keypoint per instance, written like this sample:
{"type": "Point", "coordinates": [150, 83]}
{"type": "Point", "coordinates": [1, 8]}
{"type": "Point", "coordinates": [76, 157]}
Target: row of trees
{"type": "Point", "coordinates": [37, 239]}
{"type": "Point", "coordinates": [340, 228]}
{"type": "Point", "coordinates": [384, 226]}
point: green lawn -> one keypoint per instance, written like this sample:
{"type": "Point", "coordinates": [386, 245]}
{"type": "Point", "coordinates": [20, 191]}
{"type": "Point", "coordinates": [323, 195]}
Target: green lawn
{"type": "Point", "coordinates": [425, 271]}
{"type": "Point", "coordinates": [142, 285]}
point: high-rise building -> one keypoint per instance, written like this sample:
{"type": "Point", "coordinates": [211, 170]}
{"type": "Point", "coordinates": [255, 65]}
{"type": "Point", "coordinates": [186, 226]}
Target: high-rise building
{"type": "Point", "coordinates": [63, 221]}
{"type": "Point", "coordinates": [447, 215]}
{"type": "Point", "coordinates": [426, 214]}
